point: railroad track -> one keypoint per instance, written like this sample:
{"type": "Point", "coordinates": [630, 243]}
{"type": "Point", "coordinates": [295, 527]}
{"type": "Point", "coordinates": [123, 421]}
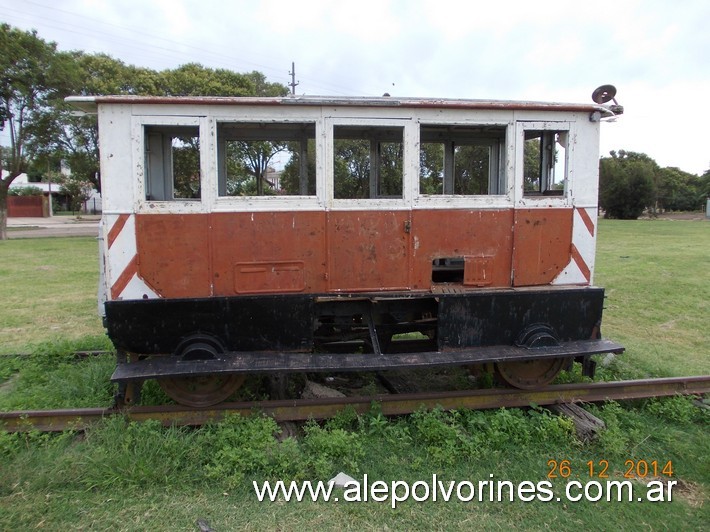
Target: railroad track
{"type": "Point", "coordinates": [395, 404]}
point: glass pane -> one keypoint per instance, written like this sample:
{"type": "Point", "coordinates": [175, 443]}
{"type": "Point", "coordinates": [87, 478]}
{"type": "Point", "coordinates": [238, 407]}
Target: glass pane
{"type": "Point", "coordinates": [186, 167]}
{"type": "Point", "coordinates": [545, 163]}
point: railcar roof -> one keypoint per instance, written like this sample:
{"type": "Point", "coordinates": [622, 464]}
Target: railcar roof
{"type": "Point", "coordinates": [90, 103]}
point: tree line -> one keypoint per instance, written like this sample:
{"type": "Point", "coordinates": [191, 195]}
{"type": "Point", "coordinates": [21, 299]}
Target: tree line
{"type": "Point", "coordinates": [632, 183]}
{"type": "Point", "coordinates": [35, 77]}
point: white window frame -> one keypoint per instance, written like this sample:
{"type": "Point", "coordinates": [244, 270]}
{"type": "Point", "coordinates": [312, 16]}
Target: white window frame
{"type": "Point", "coordinates": [494, 201]}
{"type": "Point", "coordinates": [266, 203]}
{"type": "Point", "coordinates": [172, 206]}
{"type": "Point", "coordinates": [521, 200]}
{"type": "Point", "coordinates": [410, 164]}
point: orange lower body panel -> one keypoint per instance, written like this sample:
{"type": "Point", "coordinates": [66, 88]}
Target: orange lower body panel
{"type": "Point", "coordinates": [543, 245]}
{"type": "Point", "coordinates": [226, 254]}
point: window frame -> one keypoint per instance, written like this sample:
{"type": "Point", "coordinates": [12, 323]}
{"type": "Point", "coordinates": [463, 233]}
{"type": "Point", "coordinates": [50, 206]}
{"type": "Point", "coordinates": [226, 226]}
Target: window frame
{"type": "Point", "coordinates": [410, 167]}
{"type": "Point", "coordinates": [541, 200]}
{"type": "Point", "coordinates": [219, 158]}
{"type": "Point", "coordinates": [264, 203]}
{"type": "Point", "coordinates": [175, 205]}
{"type": "Point", "coordinates": [506, 186]}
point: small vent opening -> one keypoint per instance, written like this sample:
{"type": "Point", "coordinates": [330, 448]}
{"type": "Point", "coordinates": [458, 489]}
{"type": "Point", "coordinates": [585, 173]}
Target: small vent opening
{"type": "Point", "coordinates": [447, 270]}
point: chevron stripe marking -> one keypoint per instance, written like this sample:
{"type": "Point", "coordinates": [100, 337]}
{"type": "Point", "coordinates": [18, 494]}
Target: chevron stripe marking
{"type": "Point", "coordinates": [587, 220]}
{"type": "Point", "coordinates": [117, 228]}
{"type": "Point", "coordinates": [125, 277]}
{"type": "Point", "coordinates": [577, 257]}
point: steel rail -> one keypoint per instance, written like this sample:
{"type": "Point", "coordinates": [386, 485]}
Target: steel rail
{"type": "Point", "coordinates": [302, 409]}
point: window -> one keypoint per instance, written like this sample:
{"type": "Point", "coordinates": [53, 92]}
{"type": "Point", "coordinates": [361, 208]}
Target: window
{"type": "Point", "coordinates": [545, 163]}
{"type": "Point", "coordinates": [172, 163]}
{"type": "Point", "coordinates": [368, 162]}
{"type": "Point", "coordinates": [266, 159]}
{"type": "Point", "coordinates": [461, 160]}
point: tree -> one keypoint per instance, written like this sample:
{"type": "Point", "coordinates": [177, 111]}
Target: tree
{"type": "Point", "coordinates": [193, 79]}
{"type": "Point", "coordinates": [33, 76]}
{"type": "Point", "coordinates": [74, 139]}
{"type": "Point", "coordinates": [431, 168]}
{"type": "Point", "coordinates": [291, 175]}
{"type": "Point", "coordinates": [63, 135]}
{"type": "Point", "coordinates": [77, 189]}
{"type": "Point", "coordinates": [352, 168]}
{"type": "Point", "coordinates": [251, 160]}
{"type": "Point", "coordinates": [679, 190]}
{"type": "Point", "coordinates": [704, 187]}
{"type": "Point", "coordinates": [626, 184]}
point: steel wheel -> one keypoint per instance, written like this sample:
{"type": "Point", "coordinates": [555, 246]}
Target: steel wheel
{"type": "Point", "coordinates": [530, 374]}
{"type": "Point", "coordinates": [205, 390]}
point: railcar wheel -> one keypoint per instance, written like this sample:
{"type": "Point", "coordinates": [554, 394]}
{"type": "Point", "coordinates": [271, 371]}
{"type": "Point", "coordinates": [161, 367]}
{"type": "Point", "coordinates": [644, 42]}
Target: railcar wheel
{"type": "Point", "coordinates": [530, 374]}
{"type": "Point", "coordinates": [200, 390]}
{"type": "Point", "coordinates": [205, 390]}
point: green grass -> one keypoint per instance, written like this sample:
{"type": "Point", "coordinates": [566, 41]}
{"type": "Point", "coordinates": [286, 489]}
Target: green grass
{"type": "Point", "coordinates": [48, 292]}
{"type": "Point", "coordinates": [137, 477]}
{"type": "Point", "coordinates": [657, 280]}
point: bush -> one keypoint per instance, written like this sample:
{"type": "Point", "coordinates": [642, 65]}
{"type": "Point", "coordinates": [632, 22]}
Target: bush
{"type": "Point", "coordinates": [626, 184]}
{"type": "Point", "coordinates": [25, 191]}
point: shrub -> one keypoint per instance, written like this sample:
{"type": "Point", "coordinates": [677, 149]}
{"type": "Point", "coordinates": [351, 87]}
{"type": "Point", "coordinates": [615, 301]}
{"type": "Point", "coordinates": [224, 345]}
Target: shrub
{"type": "Point", "coordinates": [25, 191]}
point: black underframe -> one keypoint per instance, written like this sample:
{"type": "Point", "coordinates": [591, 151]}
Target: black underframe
{"type": "Point", "coordinates": [325, 332]}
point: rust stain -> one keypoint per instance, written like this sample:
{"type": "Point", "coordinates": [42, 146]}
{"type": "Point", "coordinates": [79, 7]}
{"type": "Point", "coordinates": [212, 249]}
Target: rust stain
{"type": "Point", "coordinates": [368, 250]}
{"type": "Point", "coordinates": [484, 236]}
{"type": "Point", "coordinates": [222, 254]}
{"type": "Point", "coordinates": [266, 277]}
{"type": "Point", "coordinates": [278, 242]}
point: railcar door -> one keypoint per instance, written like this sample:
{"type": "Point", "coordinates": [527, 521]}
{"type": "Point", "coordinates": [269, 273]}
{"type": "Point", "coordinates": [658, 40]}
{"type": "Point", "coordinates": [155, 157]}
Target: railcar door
{"type": "Point", "coordinates": [543, 233]}
{"type": "Point", "coordinates": [368, 250]}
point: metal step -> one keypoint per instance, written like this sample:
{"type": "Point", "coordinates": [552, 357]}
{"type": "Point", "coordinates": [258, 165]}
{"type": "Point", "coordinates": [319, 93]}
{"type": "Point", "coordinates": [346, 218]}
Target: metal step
{"type": "Point", "coordinates": [294, 362]}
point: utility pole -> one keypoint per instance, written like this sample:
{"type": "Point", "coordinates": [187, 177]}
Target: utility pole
{"type": "Point", "coordinates": [293, 78]}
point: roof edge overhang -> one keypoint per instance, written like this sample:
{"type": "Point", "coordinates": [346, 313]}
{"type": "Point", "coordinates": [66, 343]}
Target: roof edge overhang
{"type": "Point", "coordinates": [89, 104]}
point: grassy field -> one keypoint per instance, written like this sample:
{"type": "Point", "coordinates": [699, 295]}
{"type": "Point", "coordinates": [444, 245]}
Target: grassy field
{"type": "Point", "coordinates": [48, 292]}
{"type": "Point", "coordinates": [135, 477]}
{"type": "Point", "coordinates": [657, 279]}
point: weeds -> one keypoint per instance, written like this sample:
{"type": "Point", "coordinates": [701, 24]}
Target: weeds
{"type": "Point", "coordinates": [246, 446]}
{"type": "Point", "coordinates": [51, 377]}
{"type": "Point", "coordinates": [680, 410]}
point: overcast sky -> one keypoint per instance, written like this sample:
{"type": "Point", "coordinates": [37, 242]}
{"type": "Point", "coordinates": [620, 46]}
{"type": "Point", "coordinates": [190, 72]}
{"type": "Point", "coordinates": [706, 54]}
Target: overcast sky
{"type": "Point", "coordinates": [657, 53]}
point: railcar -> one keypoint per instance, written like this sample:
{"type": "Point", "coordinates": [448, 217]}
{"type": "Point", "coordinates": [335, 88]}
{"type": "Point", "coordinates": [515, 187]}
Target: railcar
{"type": "Point", "coordinates": [314, 234]}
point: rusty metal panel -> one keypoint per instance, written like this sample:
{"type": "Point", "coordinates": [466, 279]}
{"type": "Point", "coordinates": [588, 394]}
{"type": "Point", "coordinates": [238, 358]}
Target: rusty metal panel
{"type": "Point", "coordinates": [542, 245]}
{"type": "Point", "coordinates": [478, 271]}
{"type": "Point", "coordinates": [268, 252]}
{"type": "Point", "coordinates": [484, 238]}
{"type": "Point", "coordinates": [173, 253]}
{"type": "Point", "coordinates": [368, 250]}
{"type": "Point", "coordinates": [267, 277]}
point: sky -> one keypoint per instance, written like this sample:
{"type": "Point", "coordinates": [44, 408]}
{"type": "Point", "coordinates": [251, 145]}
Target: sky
{"type": "Point", "coordinates": [656, 53]}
